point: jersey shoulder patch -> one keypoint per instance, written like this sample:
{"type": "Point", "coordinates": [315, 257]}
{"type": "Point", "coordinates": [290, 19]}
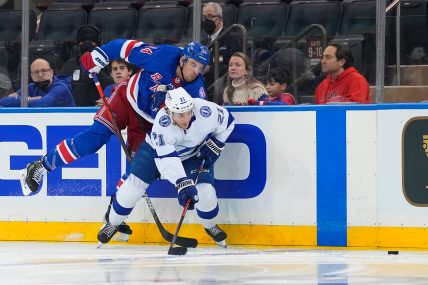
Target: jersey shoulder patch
{"type": "Point", "coordinates": [164, 121]}
{"type": "Point", "coordinates": [205, 111]}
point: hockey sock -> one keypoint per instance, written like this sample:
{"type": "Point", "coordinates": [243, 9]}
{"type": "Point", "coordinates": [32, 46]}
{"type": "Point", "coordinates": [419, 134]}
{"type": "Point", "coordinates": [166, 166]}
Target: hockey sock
{"type": "Point", "coordinates": [87, 142]}
{"type": "Point", "coordinates": [207, 207]}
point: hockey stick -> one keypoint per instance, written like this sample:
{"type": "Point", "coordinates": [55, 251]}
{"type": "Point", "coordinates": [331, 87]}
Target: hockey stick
{"type": "Point", "coordinates": [181, 250]}
{"type": "Point", "coordinates": [182, 241]}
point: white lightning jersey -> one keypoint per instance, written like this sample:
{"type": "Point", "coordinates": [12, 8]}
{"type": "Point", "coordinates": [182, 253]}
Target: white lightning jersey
{"type": "Point", "coordinates": [173, 144]}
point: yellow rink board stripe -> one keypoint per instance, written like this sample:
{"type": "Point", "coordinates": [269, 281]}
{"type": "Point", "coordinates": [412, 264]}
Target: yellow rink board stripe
{"type": "Point", "coordinates": [403, 237]}
{"type": "Point", "coordinates": [372, 237]}
{"type": "Point", "coordinates": [149, 233]}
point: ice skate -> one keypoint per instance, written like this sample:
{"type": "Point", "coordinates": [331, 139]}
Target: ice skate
{"type": "Point", "coordinates": [31, 177]}
{"type": "Point", "coordinates": [218, 235]}
{"type": "Point", "coordinates": [124, 230]}
{"type": "Point", "coordinates": [106, 233]}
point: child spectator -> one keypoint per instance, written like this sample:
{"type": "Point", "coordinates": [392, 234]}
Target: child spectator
{"type": "Point", "coordinates": [277, 82]}
{"type": "Point", "coordinates": [120, 70]}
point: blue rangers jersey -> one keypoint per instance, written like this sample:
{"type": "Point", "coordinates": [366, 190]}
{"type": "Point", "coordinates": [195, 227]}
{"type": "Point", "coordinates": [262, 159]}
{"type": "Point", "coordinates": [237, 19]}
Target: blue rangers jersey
{"type": "Point", "coordinates": [173, 144]}
{"type": "Point", "coordinates": [158, 72]}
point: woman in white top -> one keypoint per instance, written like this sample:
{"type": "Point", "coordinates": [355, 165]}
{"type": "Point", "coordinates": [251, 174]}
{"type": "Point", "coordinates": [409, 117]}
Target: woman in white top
{"type": "Point", "coordinates": [241, 83]}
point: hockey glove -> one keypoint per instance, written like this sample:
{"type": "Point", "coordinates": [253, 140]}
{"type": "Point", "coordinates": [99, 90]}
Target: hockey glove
{"type": "Point", "coordinates": [187, 190]}
{"type": "Point", "coordinates": [210, 151]}
{"type": "Point", "coordinates": [94, 61]}
{"type": "Point", "coordinates": [158, 98]}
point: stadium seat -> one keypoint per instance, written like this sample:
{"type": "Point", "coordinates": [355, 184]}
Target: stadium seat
{"type": "Point", "coordinates": [161, 24]}
{"type": "Point", "coordinates": [359, 16]}
{"type": "Point", "coordinates": [264, 21]}
{"type": "Point", "coordinates": [305, 13]}
{"type": "Point", "coordinates": [60, 25]}
{"type": "Point", "coordinates": [10, 25]}
{"type": "Point", "coordinates": [115, 27]}
{"type": "Point", "coordinates": [10, 39]}
{"type": "Point", "coordinates": [57, 35]}
{"type": "Point", "coordinates": [116, 5]}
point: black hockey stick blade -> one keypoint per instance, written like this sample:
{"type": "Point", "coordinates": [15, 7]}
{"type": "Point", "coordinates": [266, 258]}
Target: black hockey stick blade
{"type": "Point", "coordinates": [181, 241]}
{"type": "Point", "coordinates": [177, 250]}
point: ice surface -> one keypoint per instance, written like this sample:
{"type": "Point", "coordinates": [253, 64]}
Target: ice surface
{"type": "Point", "coordinates": [82, 263]}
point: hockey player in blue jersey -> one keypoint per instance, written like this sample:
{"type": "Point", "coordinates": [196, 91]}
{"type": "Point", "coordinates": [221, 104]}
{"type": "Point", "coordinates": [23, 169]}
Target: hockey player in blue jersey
{"type": "Point", "coordinates": [163, 67]}
{"type": "Point", "coordinates": [185, 132]}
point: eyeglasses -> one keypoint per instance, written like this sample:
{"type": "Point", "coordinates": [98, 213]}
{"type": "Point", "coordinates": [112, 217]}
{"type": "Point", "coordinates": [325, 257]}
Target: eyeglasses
{"type": "Point", "coordinates": [210, 17]}
{"type": "Point", "coordinates": [42, 72]}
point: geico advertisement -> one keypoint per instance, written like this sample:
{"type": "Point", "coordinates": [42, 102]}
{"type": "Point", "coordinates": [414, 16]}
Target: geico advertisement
{"type": "Point", "coordinates": [32, 135]}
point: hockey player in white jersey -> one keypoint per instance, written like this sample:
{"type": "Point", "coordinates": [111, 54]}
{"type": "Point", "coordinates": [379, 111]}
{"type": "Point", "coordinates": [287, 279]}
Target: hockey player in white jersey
{"type": "Point", "coordinates": [185, 132]}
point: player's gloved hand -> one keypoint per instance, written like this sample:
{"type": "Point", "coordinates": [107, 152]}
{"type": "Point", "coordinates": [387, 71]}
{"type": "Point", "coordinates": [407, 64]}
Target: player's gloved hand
{"type": "Point", "coordinates": [158, 98]}
{"type": "Point", "coordinates": [187, 190]}
{"type": "Point", "coordinates": [94, 61]}
{"type": "Point", "coordinates": [210, 151]}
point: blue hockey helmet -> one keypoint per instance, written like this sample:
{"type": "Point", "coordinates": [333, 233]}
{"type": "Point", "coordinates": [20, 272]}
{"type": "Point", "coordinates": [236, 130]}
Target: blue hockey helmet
{"type": "Point", "coordinates": [198, 52]}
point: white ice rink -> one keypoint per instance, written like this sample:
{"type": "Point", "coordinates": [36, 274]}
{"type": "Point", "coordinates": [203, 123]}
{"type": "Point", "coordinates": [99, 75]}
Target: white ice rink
{"type": "Point", "coordinates": [82, 263]}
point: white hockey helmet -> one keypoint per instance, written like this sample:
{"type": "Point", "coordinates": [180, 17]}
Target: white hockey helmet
{"type": "Point", "coordinates": [178, 101]}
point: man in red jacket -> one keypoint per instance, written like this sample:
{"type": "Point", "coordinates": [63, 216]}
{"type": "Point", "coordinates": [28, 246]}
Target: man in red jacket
{"type": "Point", "coordinates": [343, 82]}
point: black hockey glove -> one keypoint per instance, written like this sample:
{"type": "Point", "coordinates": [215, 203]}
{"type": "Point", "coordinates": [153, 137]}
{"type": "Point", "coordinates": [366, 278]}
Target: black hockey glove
{"type": "Point", "coordinates": [210, 151]}
{"type": "Point", "coordinates": [187, 190]}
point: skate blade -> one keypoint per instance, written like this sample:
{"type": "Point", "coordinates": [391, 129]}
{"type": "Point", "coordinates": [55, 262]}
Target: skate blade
{"type": "Point", "coordinates": [100, 244]}
{"type": "Point", "coordinates": [121, 237]}
{"type": "Point", "coordinates": [22, 177]}
{"type": "Point", "coordinates": [221, 243]}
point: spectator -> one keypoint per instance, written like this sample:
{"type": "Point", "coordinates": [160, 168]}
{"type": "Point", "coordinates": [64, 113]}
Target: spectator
{"type": "Point", "coordinates": [120, 71]}
{"type": "Point", "coordinates": [5, 83]}
{"type": "Point", "coordinates": [241, 84]}
{"type": "Point", "coordinates": [277, 83]}
{"type": "Point", "coordinates": [343, 83]}
{"type": "Point", "coordinates": [46, 90]}
{"type": "Point", "coordinates": [84, 91]}
{"type": "Point", "coordinates": [212, 24]}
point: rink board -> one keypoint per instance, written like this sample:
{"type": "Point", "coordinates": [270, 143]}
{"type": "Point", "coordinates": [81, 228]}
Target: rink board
{"type": "Point", "coordinates": [295, 175]}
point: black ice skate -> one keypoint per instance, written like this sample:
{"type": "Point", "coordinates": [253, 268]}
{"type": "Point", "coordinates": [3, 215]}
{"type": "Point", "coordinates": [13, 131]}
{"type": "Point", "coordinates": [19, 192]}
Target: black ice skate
{"type": "Point", "coordinates": [123, 231]}
{"type": "Point", "coordinates": [32, 176]}
{"type": "Point", "coordinates": [106, 233]}
{"type": "Point", "coordinates": [218, 235]}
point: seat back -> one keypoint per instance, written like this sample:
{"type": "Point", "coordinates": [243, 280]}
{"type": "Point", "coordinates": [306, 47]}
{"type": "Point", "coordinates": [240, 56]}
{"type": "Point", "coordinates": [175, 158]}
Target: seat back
{"type": "Point", "coordinates": [305, 13]}
{"type": "Point", "coordinates": [61, 25]}
{"type": "Point", "coordinates": [116, 27]}
{"type": "Point", "coordinates": [10, 25]}
{"type": "Point", "coordinates": [263, 19]}
{"type": "Point", "coordinates": [161, 24]}
{"type": "Point", "coordinates": [359, 16]}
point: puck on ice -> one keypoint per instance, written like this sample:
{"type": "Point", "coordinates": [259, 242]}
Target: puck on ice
{"type": "Point", "coordinates": [392, 251]}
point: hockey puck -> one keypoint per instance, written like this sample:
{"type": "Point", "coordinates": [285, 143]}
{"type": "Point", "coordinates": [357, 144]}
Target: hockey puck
{"type": "Point", "coordinates": [395, 252]}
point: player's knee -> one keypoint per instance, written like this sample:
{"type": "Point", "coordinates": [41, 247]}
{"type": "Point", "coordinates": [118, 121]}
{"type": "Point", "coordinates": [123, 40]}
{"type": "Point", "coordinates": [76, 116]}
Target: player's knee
{"type": "Point", "coordinates": [207, 197]}
{"type": "Point", "coordinates": [131, 191]}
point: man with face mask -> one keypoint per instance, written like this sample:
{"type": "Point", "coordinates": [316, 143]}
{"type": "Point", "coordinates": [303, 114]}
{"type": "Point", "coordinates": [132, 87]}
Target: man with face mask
{"type": "Point", "coordinates": [84, 91]}
{"type": "Point", "coordinates": [46, 90]}
{"type": "Point", "coordinates": [212, 24]}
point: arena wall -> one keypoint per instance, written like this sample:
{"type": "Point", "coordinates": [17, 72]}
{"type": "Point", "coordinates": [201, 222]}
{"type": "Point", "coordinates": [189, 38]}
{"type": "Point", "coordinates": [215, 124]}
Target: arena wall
{"type": "Point", "coordinates": [350, 175]}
